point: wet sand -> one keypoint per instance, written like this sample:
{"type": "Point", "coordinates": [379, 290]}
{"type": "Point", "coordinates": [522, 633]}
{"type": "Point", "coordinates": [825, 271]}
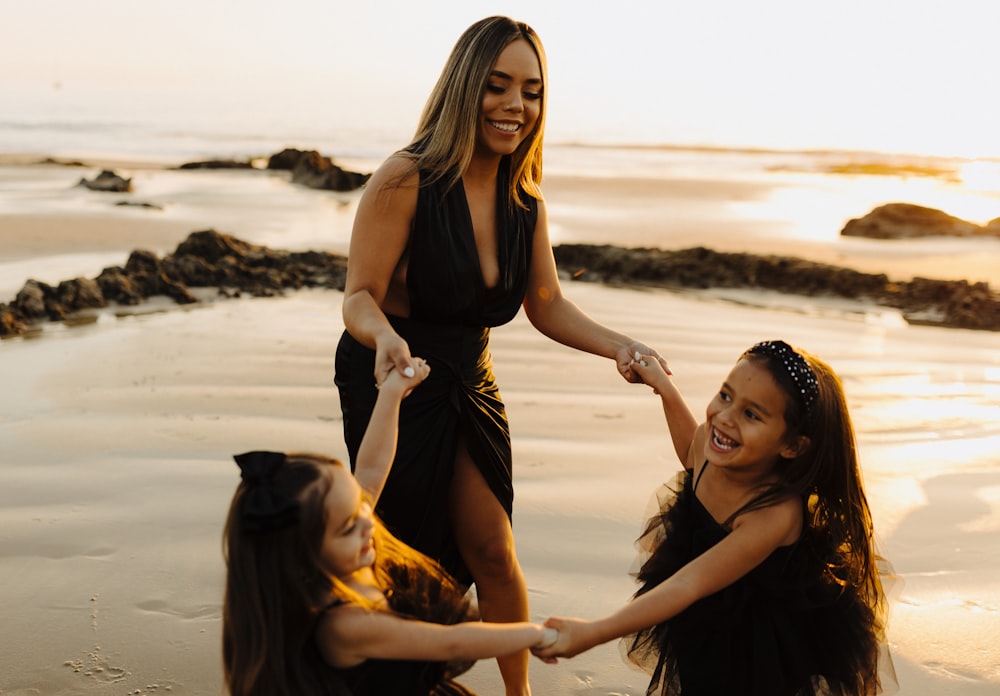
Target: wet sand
{"type": "Point", "coordinates": [116, 434]}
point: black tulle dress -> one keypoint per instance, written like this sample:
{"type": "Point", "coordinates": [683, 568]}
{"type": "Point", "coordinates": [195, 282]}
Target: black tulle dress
{"type": "Point", "coordinates": [782, 630]}
{"type": "Point", "coordinates": [451, 312]}
{"type": "Point", "coordinates": [416, 594]}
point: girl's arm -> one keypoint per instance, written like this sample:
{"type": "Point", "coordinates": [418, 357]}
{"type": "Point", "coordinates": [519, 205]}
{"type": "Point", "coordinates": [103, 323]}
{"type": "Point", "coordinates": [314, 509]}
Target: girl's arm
{"type": "Point", "coordinates": [560, 319]}
{"type": "Point", "coordinates": [378, 241]}
{"type": "Point", "coordinates": [680, 420]}
{"type": "Point", "coordinates": [349, 635]}
{"type": "Point", "coordinates": [378, 446]}
{"type": "Point", "coordinates": [754, 537]}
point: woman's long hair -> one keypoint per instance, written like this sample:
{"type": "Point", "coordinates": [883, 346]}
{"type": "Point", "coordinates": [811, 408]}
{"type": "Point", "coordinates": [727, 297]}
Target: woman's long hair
{"type": "Point", "coordinates": [277, 588]}
{"type": "Point", "coordinates": [446, 135]}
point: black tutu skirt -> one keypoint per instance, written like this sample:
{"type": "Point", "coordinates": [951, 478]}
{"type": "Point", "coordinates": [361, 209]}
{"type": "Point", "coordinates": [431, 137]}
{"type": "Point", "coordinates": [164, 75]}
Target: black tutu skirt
{"type": "Point", "coordinates": [782, 630]}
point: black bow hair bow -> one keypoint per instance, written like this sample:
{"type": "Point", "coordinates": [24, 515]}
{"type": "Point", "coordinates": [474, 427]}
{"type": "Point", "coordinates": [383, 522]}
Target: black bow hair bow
{"type": "Point", "coordinates": [265, 508]}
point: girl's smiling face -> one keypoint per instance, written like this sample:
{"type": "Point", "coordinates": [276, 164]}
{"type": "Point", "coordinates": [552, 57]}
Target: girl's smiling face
{"type": "Point", "coordinates": [348, 544]}
{"type": "Point", "coordinates": [746, 421]}
{"type": "Point", "coordinates": [512, 100]}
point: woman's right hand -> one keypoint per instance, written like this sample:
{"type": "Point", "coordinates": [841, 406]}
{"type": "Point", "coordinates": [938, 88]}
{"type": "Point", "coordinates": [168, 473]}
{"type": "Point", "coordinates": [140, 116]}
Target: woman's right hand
{"type": "Point", "coordinates": [392, 353]}
{"type": "Point", "coordinates": [398, 383]}
{"type": "Point", "coordinates": [649, 370]}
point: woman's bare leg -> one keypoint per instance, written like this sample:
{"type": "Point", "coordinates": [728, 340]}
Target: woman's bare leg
{"type": "Point", "coordinates": [486, 543]}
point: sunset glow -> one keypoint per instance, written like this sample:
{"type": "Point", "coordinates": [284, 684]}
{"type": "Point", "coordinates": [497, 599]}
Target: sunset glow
{"type": "Point", "coordinates": [889, 76]}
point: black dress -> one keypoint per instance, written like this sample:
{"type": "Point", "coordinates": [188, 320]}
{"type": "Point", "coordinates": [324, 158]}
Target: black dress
{"type": "Point", "coordinates": [451, 312]}
{"type": "Point", "coordinates": [781, 630]}
{"type": "Point", "coordinates": [418, 595]}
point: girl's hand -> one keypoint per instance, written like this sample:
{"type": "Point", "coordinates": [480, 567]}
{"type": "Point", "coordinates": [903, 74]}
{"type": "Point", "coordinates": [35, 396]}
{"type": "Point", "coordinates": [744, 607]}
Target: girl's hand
{"type": "Point", "coordinates": [392, 353]}
{"type": "Point", "coordinates": [650, 370]}
{"type": "Point", "coordinates": [626, 357]}
{"type": "Point", "coordinates": [399, 383]}
{"type": "Point", "coordinates": [573, 636]}
{"type": "Point", "coordinates": [549, 637]}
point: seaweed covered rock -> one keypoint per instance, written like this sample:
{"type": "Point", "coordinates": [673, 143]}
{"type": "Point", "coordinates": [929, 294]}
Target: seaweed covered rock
{"type": "Point", "coordinates": [950, 303]}
{"type": "Point", "coordinates": [205, 259]}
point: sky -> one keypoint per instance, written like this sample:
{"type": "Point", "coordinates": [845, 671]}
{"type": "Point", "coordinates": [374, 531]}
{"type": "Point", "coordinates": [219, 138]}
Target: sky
{"type": "Point", "coordinates": [910, 76]}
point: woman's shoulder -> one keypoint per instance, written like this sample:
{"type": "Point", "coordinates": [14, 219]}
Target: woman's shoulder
{"type": "Point", "coordinates": [398, 168]}
{"type": "Point", "coordinates": [393, 185]}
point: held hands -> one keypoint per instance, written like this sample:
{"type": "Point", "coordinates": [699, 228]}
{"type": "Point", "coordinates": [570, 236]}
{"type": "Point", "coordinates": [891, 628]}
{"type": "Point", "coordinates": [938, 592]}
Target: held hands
{"type": "Point", "coordinates": [572, 637]}
{"type": "Point", "coordinates": [625, 359]}
{"type": "Point", "coordinates": [651, 371]}
{"type": "Point", "coordinates": [392, 353]}
{"type": "Point", "coordinates": [401, 382]}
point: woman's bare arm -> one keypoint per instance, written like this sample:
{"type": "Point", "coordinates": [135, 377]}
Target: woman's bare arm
{"type": "Point", "coordinates": [378, 241]}
{"type": "Point", "coordinates": [557, 317]}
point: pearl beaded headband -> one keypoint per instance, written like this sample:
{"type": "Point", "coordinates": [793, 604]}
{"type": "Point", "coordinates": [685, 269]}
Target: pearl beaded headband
{"type": "Point", "coordinates": [796, 367]}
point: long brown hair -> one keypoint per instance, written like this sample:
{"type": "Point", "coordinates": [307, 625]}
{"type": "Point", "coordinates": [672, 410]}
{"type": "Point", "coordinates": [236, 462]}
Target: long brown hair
{"type": "Point", "coordinates": [446, 135]}
{"type": "Point", "coordinates": [277, 588]}
{"type": "Point", "coordinates": [826, 475]}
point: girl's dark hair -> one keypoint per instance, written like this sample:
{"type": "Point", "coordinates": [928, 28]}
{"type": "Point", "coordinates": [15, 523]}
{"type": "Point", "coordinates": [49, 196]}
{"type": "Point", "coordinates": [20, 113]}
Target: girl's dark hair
{"type": "Point", "coordinates": [277, 588]}
{"type": "Point", "coordinates": [826, 474]}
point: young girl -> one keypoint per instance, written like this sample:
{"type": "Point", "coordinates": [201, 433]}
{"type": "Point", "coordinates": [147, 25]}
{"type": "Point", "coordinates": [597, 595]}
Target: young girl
{"type": "Point", "coordinates": [760, 574]}
{"type": "Point", "coordinates": [320, 599]}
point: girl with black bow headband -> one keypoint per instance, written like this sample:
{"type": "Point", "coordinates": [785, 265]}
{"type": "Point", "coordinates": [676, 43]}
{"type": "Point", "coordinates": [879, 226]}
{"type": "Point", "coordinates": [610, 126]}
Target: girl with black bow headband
{"type": "Point", "coordinates": [321, 599]}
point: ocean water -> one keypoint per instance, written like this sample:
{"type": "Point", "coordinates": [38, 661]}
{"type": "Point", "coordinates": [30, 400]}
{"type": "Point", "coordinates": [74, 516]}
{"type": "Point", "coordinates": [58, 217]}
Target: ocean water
{"type": "Point", "coordinates": [755, 200]}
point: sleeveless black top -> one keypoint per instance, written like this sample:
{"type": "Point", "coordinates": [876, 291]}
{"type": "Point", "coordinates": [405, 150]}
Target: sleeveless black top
{"type": "Point", "coordinates": [451, 312]}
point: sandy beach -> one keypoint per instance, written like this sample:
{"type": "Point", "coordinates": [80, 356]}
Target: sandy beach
{"type": "Point", "coordinates": [117, 430]}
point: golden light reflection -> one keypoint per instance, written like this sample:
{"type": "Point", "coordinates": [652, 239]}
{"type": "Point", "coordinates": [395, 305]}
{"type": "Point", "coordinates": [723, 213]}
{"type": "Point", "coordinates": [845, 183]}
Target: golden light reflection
{"type": "Point", "coordinates": [990, 522]}
{"type": "Point", "coordinates": [981, 175]}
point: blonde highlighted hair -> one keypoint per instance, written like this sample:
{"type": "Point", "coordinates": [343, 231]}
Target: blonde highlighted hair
{"type": "Point", "coordinates": [446, 135]}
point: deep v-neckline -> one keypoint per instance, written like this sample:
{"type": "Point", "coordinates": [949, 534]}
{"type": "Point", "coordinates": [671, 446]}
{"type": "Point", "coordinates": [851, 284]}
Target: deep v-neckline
{"type": "Point", "coordinates": [481, 278]}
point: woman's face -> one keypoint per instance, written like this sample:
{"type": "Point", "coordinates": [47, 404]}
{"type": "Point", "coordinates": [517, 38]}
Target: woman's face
{"type": "Point", "coordinates": [512, 100]}
{"type": "Point", "coordinates": [348, 544]}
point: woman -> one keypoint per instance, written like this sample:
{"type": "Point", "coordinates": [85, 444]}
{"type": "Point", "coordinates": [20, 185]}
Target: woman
{"type": "Point", "coordinates": [450, 239]}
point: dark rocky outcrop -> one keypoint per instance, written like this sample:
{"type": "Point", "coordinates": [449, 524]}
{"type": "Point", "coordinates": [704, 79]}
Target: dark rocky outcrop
{"type": "Point", "coordinates": [949, 303]}
{"type": "Point", "coordinates": [218, 164]}
{"type": "Point", "coordinates": [206, 259]}
{"type": "Point", "coordinates": [310, 168]}
{"type": "Point", "coordinates": [907, 221]}
{"type": "Point", "coordinates": [209, 259]}
{"type": "Point", "coordinates": [139, 204]}
{"type": "Point", "coordinates": [107, 180]}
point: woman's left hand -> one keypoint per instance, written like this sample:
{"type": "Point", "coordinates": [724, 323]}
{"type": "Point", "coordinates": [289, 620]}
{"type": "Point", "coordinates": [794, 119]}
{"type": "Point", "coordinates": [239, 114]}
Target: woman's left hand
{"type": "Point", "coordinates": [627, 354]}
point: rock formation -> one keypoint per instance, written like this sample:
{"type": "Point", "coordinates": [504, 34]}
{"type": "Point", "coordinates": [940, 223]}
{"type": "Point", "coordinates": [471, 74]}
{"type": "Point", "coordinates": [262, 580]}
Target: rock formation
{"type": "Point", "coordinates": [907, 221]}
{"type": "Point", "coordinates": [205, 259]}
{"type": "Point", "coordinates": [107, 180]}
{"type": "Point", "coordinates": [950, 303]}
{"type": "Point", "coordinates": [209, 259]}
{"type": "Point", "coordinates": [310, 168]}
